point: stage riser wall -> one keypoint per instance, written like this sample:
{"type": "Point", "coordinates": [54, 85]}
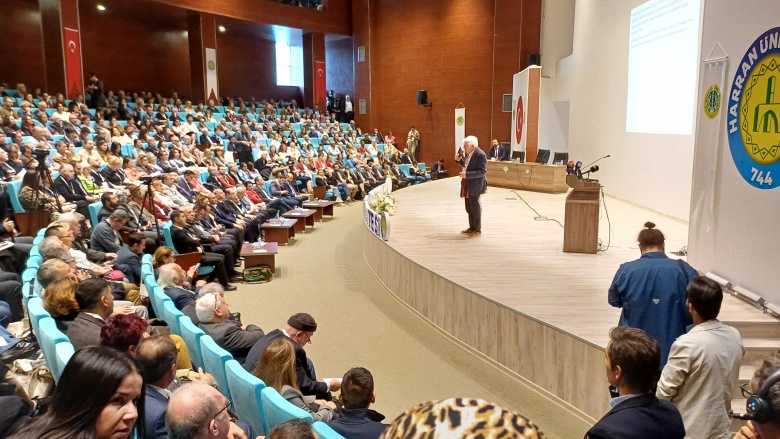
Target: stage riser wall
{"type": "Point", "coordinates": [559, 365]}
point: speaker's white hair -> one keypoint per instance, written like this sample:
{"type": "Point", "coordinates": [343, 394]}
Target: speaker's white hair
{"type": "Point", "coordinates": [471, 140]}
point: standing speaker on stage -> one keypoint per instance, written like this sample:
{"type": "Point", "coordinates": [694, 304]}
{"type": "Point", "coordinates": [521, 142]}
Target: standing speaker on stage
{"type": "Point", "coordinates": [473, 183]}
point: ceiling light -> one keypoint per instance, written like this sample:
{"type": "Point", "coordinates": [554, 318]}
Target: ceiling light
{"type": "Point", "coordinates": [221, 28]}
{"type": "Point", "coordinates": [101, 8]}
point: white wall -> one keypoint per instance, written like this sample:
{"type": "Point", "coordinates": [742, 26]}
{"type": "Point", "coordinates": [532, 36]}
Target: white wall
{"type": "Point", "coordinates": [647, 169]}
{"type": "Point", "coordinates": [557, 33]}
{"type": "Point", "coordinates": [742, 240]}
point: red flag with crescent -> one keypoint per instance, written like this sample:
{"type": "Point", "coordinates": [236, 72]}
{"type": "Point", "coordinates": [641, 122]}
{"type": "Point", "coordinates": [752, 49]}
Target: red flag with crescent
{"type": "Point", "coordinates": [74, 78]}
{"type": "Point", "coordinates": [320, 85]}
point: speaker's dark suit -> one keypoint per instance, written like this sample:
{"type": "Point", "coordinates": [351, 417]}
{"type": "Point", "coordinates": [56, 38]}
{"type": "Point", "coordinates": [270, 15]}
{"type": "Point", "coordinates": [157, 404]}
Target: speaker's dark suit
{"type": "Point", "coordinates": [640, 417]}
{"type": "Point", "coordinates": [473, 186]}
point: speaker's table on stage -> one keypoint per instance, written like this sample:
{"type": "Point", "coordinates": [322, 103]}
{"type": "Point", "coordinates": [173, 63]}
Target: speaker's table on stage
{"type": "Point", "coordinates": [256, 257]}
{"type": "Point", "coordinates": [527, 176]}
{"type": "Point", "coordinates": [322, 207]}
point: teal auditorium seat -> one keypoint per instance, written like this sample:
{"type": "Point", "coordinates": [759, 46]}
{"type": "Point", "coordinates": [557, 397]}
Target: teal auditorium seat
{"type": "Point", "coordinates": [63, 352]}
{"type": "Point", "coordinates": [94, 209]}
{"type": "Point", "coordinates": [171, 316]}
{"type": "Point", "coordinates": [34, 261]}
{"type": "Point", "coordinates": [191, 335]}
{"type": "Point", "coordinates": [147, 259]}
{"type": "Point", "coordinates": [158, 298]}
{"type": "Point", "coordinates": [13, 188]}
{"type": "Point", "coordinates": [202, 270]}
{"type": "Point", "coordinates": [325, 432]}
{"type": "Point", "coordinates": [214, 359]}
{"type": "Point", "coordinates": [278, 410]}
{"type": "Point", "coordinates": [37, 313]}
{"type": "Point", "coordinates": [246, 389]}
{"type": "Point", "coordinates": [48, 337]}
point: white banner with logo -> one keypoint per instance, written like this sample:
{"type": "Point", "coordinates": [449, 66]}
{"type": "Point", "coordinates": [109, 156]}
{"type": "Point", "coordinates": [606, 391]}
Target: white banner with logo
{"type": "Point", "coordinates": [212, 84]}
{"type": "Point", "coordinates": [460, 127]}
{"type": "Point", "coordinates": [708, 128]}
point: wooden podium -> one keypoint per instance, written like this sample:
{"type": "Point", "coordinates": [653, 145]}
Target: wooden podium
{"type": "Point", "coordinates": [581, 226]}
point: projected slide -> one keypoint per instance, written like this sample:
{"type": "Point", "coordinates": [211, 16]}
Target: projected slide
{"type": "Point", "coordinates": [663, 57]}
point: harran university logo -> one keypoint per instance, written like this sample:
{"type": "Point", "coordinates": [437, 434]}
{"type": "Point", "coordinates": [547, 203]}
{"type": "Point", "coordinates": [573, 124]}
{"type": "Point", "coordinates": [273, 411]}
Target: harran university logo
{"type": "Point", "coordinates": [212, 65]}
{"type": "Point", "coordinates": [712, 102]}
{"type": "Point", "coordinates": [754, 109]}
{"type": "Point", "coordinates": [460, 121]}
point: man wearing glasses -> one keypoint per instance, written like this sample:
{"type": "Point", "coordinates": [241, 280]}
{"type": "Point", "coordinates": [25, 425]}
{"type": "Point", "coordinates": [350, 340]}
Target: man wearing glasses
{"type": "Point", "coordinates": [199, 410]}
{"type": "Point", "coordinates": [703, 365]}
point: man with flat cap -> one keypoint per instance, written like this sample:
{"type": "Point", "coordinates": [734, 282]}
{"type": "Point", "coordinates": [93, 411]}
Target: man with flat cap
{"type": "Point", "coordinates": [299, 329]}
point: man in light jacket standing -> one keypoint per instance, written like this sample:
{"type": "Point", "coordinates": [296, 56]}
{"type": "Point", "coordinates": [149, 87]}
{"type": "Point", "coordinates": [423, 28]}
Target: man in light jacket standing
{"type": "Point", "coordinates": [703, 366]}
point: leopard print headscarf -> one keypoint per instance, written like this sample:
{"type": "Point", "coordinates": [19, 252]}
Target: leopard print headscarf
{"type": "Point", "coordinates": [461, 418]}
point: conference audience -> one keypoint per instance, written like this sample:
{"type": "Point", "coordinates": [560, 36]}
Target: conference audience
{"type": "Point", "coordinates": [96, 303]}
{"type": "Point", "coordinates": [299, 329]}
{"type": "Point", "coordinates": [130, 255]}
{"type": "Point", "coordinates": [703, 365]}
{"type": "Point", "coordinates": [96, 397]}
{"type": "Point", "coordinates": [293, 429]}
{"type": "Point", "coordinates": [651, 291]}
{"type": "Point", "coordinates": [176, 284]}
{"type": "Point", "coordinates": [213, 312]}
{"type": "Point", "coordinates": [198, 410]}
{"type": "Point", "coordinates": [356, 420]}
{"type": "Point", "coordinates": [632, 362]}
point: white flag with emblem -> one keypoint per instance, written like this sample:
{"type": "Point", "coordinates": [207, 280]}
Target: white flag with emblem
{"type": "Point", "coordinates": [460, 127]}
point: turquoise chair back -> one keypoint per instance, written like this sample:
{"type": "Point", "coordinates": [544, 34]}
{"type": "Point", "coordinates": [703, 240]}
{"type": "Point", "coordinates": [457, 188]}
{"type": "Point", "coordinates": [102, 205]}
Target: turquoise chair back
{"type": "Point", "coordinates": [37, 313]}
{"type": "Point", "coordinates": [278, 410]}
{"type": "Point", "coordinates": [168, 237]}
{"type": "Point", "coordinates": [191, 335]}
{"type": "Point", "coordinates": [246, 389]}
{"type": "Point", "coordinates": [147, 260]}
{"type": "Point", "coordinates": [34, 261]}
{"type": "Point", "coordinates": [214, 359]}
{"type": "Point", "coordinates": [63, 351]}
{"type": "Point", "coordinates": [94, 209]}
{"type": "Point", "coordinates": [325, 432]}
{"type": "Point", "coordinates": [13, 188]}
{"type": "Point", "coordinates": [48, 337]}
{"type": "Point", "coordinates": [171, 316]}
{"type": "Point", "coordinates": [158, 298]}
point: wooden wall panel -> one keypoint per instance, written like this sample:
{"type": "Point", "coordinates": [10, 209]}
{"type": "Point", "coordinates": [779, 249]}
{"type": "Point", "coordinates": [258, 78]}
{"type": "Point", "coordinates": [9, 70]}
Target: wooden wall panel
{"type": "Point", "coordinates": [21, 51]}
{"type": "Point", "coordinates": [247, 67]}
{"type": "Point", "coordinates": [460, 51]}
{"type": "Point", "coordinates": [143, 46]}
{"type": "Point", "coordinates": [340, 66]}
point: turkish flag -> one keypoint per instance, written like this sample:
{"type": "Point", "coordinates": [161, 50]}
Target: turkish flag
{"type": "Point", "coordinates": [320, 86]}
{"type": "Point", "coordinates": [74, 78]}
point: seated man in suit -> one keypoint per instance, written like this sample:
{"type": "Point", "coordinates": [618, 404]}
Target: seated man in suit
{"type": "Point", "coordinates": [96, 303]}
{"type": "Point", "coordinates": [209, 288]}
{"type": "Point", "coordinates": [71, 189]}
{"type": "Point", "coordinates": [497, 152]}
{"type": "Point", "coordinates": [184, 242]}
{"type": "Point", "coordinates": [213, 178]}
{"type": "Point", "coordinates": [177, 284]}
{"type": "Point", "coordinates": [632, 362]}
{"type": "Point", "coordinates": [105, 235]}
{"type": "Point", "coordinates": [279, 189]}
{"type": "Point", "coordinates": [438, 171]}
{"type": "Point", "coordinates": [356, 420]}
{"type": "Point", "coordinates": [157, 360]}
{"type": "Point", "coordinates": [300, 329]}
{"type": "Point", "coordinates": [270, 201]}
{"type": "Point", "coordinates": [212, 242]}
{"type": "Point", "coordinates": [213, 312]}
{"type": "Point", "coordinates": [130, 255]}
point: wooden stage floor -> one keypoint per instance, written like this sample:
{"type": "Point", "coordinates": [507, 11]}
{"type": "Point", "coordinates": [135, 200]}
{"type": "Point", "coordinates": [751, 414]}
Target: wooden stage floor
{"type": "Point", "coordinates": [518, 264]}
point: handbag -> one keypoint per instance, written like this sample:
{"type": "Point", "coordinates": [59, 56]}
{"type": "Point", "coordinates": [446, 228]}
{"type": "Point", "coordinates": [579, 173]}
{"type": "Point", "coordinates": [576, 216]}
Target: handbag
{"type": "Point", "coordinates": [257, 275]}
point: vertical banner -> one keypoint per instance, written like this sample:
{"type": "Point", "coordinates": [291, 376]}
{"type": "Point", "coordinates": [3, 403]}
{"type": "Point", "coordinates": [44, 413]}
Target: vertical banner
{"type": "Point", "coordinates": [708, 128]}
{"type": "Point", "coordinates": [320, 86]}
{"type": "Point", "coordinates": [212, 83]}
{"type": "Point", "coordinates": [460, 127]}
{"type": "Point", "coordinates": [74, 78]}
{"type": "Point", "coordinates": [520, 101]}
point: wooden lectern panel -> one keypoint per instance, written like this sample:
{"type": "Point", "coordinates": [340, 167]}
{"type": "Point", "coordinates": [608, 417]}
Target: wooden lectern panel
{"type": "Point", "coordinates": [581, 224]}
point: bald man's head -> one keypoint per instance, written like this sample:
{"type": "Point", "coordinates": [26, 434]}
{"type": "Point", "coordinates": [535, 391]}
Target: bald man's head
{"type": "Point", "coordinates": [197, 410]}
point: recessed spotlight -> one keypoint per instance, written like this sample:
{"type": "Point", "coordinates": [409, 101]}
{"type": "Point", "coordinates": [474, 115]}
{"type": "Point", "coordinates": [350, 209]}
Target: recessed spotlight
{"type": "Point", "coordinates": [221, 28]}
{"type": "Point", "coordinates": [101, 8]}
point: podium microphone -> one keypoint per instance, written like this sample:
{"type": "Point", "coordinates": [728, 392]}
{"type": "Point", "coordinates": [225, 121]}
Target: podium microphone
{"type": "Point", "coordinates": [597, 160]}
{"type": "Point", "coordinates": [594, 168]}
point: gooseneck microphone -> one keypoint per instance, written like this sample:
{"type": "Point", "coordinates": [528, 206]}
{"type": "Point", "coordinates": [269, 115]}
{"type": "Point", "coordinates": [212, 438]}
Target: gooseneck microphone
{"type": "Point", "coordinates": [593, 168]}
{"type": "Point", "coordinates": [597, 160]}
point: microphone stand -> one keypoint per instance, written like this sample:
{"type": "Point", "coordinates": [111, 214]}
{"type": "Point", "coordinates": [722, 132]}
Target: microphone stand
{"type": "Point", "coordinates": [597, 160]}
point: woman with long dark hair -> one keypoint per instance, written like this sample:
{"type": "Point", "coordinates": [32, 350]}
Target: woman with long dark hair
{"type": "Point", "coordinates": [99, 396]}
